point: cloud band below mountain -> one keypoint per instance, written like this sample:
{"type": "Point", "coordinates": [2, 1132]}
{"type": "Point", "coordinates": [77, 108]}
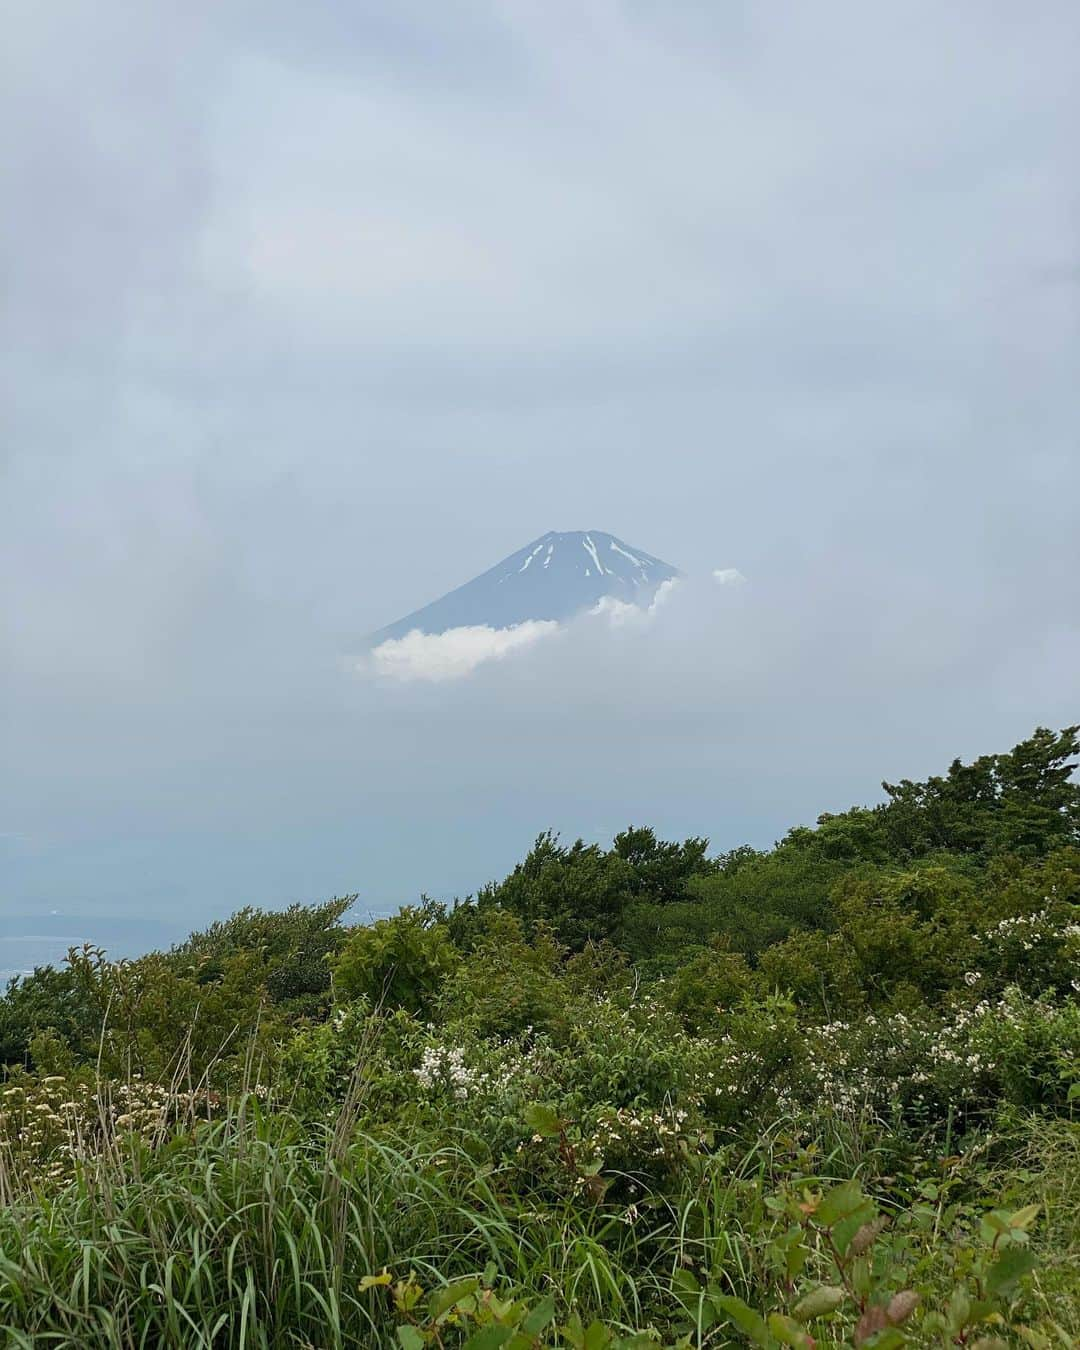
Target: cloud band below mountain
{"type": "Point", "coordinates": [458, 651]}
{"type": "Point", "coordinates": [455, 653]}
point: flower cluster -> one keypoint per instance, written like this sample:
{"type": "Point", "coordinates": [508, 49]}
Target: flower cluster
{"type": "Point", "coordinates": [442, 1067]}
{"type": "Point", "coordinates": [50, 1124]}
{"type": "Point", "coordinates": [1040, 950]}
{"type": "Point", "coordinates": [627, 1134]}
{"type": "Point", "coordinates": [958, 1063]}
{"type": "Point", "coordinates": [1029, 928]}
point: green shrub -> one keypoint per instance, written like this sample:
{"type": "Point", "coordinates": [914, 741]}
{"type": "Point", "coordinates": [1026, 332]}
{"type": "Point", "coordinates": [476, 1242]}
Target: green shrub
{"type": "Point", "coordinates": [294, 944]}
{"type": "Point", "coordinates": [400, 962]}
{"type": "Point", "coordinates": [709, 983]}
{"type": "Point", "coordinates": [951, 1070]}
{"type": "Point", "coordinates": [50, 1001]}
{"type": "Point", "coordinates": [507, 984]}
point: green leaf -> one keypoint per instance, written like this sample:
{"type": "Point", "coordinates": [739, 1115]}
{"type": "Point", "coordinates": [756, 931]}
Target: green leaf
{"type": "Point", "coordinates": [574, 1332]}
{"type": "Point", "coordinates": [749, 1322]}
{"type": "Point", "coordinates": [789, 1332]}
{"type": "Point", "coordinates": [542, 1120]}
{"type": "Point", "coordinates": [489, 1338]}
{"type": "Point", "coordinates": [442, 1300]}
{"type": "Point", "coordinates": [1007, 1271]}
{"type": "Point", "coordinates": [597, 1337]}
{"type": "Point", "coordinates": [1024, 1218]}
{"type": "Point", "coordinates": [838, 1203]}
{"type": "Point", "coordinates": [410, 1339]}
{"type": "Point", "coordinates": [995, 1221]}
{"type": "Point", "coordinates": [686, 1289]}
{"type": "Point", "coordinates": [535, 1321]}
{"type": "Point", "coordinates": [818, 1302]}
{"type": "Point", "coordinates": [959, 1309]}
{"type": "Point", "coordinates": [889, 1339]}
{"type": "Point", "coordinates": [846, 1229]}
{"type": "Point", "coordinates": [795, 1262]}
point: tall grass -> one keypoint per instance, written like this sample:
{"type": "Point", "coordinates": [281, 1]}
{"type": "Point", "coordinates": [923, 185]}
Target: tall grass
{"type": "Point", "coordinates": [256, 1227]}
{"type": "Point", "coordinates": [251, 1231]}
{"type": "Point", "coordinates": [256, 1230]}
{"type": "Point", "coordinates": [1044, 1161]}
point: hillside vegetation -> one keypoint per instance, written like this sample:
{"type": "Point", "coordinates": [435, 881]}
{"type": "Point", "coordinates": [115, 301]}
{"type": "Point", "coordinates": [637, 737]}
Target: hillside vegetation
{"type": "Point", "coordinates": [826, 1094]}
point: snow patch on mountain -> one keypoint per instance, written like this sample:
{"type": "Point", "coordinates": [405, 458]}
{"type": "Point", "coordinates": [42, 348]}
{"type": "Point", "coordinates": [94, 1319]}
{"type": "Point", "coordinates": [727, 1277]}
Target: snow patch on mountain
{"type": "Point", "coordinates": [590, 548]}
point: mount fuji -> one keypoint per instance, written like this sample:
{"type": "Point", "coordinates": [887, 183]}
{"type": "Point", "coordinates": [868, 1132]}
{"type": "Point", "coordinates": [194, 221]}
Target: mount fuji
{"type": "Point", "coordinates": [552, 578]}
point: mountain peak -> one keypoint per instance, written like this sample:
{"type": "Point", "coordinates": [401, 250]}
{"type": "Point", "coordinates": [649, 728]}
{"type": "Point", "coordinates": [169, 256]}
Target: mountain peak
{"type": "Point", "coordinates": [554, 577]}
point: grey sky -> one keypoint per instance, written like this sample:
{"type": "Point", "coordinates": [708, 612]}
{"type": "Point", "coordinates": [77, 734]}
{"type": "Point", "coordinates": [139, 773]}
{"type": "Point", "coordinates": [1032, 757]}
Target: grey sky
{"type": "Point", "coordinates": [312, 312]}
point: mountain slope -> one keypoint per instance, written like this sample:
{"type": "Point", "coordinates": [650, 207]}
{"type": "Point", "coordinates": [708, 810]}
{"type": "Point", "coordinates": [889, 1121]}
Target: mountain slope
{"type": "Point", "coordinates": [554, 577]}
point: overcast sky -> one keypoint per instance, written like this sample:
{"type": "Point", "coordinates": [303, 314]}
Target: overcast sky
{"type": "Point", "coordinates": [312, 312]}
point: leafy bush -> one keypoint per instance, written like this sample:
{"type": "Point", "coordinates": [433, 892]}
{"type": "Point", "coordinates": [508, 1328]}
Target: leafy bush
{"type": "Point", "coordinates": [929, 1069]}
{"type": "Point", "coordinates": [295, 945]}
{"type": "Point", "coordinates": [48, 1001]}
{"type": "Point", "coordinates": [507, 984]}
{"type": "Point", "coordinates": [839, 1269]}
{"type": "Point", "coordinates": [708, 984]}
{"type": "Point", "coordinates": [401, 962]}
{"type": "Point", "coordinates": [583, 893]}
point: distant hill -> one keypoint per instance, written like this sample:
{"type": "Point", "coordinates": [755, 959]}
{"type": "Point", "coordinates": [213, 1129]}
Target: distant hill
{"type": "Point", "coordinates": [554, 577]}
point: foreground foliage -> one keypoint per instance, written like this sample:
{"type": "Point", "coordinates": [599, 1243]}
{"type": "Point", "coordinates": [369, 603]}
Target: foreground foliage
{"type": "Point", "coordinates": [823, 1095]}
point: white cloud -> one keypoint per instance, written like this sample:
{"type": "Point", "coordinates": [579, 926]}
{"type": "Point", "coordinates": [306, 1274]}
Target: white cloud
{"type": "Point", "coordinates": [728, 576]}
{"type": "Point", "coordinates": [459, 651]}
{"type": "Point", "coordinates": [455, 653]}
{"type": "Point", "coordinates": [620, 612]}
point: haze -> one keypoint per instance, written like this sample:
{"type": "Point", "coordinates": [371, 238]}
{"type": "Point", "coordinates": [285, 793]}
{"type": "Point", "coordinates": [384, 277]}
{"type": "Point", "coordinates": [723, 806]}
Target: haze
{"type": "Point", "coordinates": [312, 313]}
